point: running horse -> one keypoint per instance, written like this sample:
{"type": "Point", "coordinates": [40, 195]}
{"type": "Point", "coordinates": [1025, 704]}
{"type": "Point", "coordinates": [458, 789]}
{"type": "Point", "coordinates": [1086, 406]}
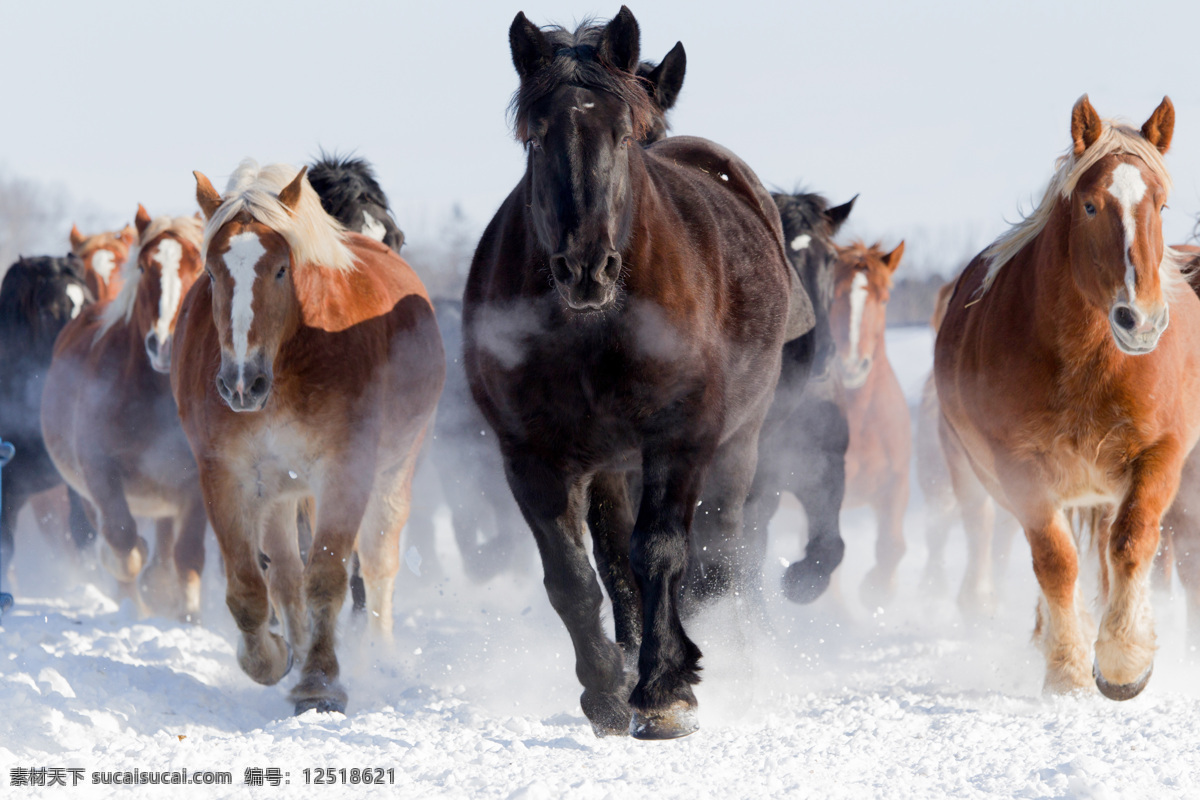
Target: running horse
{"type": "Point", "coordinates": [624, 314]}
{"type": "Point", "coordinates": [111, 425]}
{"type": "Point", "coordinates": [877, 460]}
{"type": "Point", "coordinates": [103, 255]}
{"type": "Point", "coordinates": [1063, 387]}
{"type": "Point", "coordinates": [308, 365]}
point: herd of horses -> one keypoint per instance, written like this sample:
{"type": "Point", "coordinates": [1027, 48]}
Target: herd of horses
{"type": "Point", "coordinates": [650, 349]}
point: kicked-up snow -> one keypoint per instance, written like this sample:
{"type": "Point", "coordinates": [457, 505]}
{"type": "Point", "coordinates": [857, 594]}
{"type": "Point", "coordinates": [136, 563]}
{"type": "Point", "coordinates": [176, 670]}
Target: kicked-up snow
{"type": "Point", "coordinates": [477, 696]}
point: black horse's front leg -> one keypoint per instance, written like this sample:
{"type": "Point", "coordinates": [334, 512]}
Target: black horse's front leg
{"type": "Point", "coordinates": [555, 507]}
{"type": "Point", "coordinates": [669, 662]}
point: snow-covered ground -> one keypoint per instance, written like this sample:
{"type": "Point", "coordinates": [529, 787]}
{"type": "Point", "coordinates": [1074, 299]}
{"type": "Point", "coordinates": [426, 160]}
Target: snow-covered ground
{"type": "Point", "coordinates": [478, 697]}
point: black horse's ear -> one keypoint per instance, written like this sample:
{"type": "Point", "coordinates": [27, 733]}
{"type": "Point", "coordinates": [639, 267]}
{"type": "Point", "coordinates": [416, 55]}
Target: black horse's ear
{"type": "Point", "coordinates": [530, 51]}
{"type": "Point", "coordinates": [619, 44]}
{"type": "Point", "coordinates": [837, 215]}
{"type": "Point", "coordinates": [667, 77]}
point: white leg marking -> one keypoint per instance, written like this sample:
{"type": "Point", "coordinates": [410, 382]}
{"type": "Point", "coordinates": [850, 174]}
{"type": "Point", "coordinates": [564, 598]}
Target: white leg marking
{"type": "Point", "coordinates": [858, 299]}
{"type": "Point", "coordinates": [168, 254]}
{"type": "Point", "coordinates": [103, 263]}
{"type": "Point", "coordinates": [76, 296]}
{"type": "Point", "coordinates": [373, 227]}
{"type": "Point", "coordinates": [801, 242]}
{"type": "Point", "coordinates": [245, 250]}
{"type": "Point", "coordinates": [1128, 188]}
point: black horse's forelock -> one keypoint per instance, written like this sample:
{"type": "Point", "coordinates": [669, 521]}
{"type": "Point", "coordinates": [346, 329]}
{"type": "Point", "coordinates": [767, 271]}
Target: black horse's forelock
{"type": "Point", "coordinates": [801, 210]}
{"type": "Point", "coordinates": [576, 63]}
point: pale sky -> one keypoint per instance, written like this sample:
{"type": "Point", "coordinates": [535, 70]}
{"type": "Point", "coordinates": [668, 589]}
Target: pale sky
{"type": "Point", "coordinates": [945, 116]}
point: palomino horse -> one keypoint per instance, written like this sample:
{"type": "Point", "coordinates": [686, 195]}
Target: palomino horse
{"type": "Point", "coordinates": [880, 435]}
{"type": "Point", "coordinates": [103, 255]}
{"type": "Point", "coordinates": [309, 364]}
{"type": "Point", "coordinates": [1062, 386]}
{"type": "Point", "coordinates": [38, 297]}
{"type": "Point", "coordinates": [802, 448]}
{"type": "Point", "coordinates": [626, 310]}
{"type": "Point", "coordinates": [989, 537]}
{"type": "Point", "coordinates": [112, 428]}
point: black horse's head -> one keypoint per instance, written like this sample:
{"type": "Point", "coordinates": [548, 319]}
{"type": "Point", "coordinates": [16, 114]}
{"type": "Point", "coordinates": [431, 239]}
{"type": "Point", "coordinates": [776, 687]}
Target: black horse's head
{"type": "Point", "coordinates": [664, 81]}
{"type": "Point", "coordinates": [350, 194]}
{"type": "Point", "coordinates": [581, 111]}
{"type": "Point", "coordinates": [39, 296]}
{"type": "Point", "coordinates": [809, 226]}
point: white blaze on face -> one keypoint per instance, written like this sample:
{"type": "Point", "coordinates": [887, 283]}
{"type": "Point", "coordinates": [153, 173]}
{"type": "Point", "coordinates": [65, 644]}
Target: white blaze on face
{"type": "Point", "coordinates": [245, 250]}
{"type": "Point", "coordinates": [1128, 188]}
{"type": "Point", "coordinates": [373, 227]}
{"type": "Point", "coordinates": [75, 294]}
{"type": "Point", "coordinates": [858, 299]}
{"type": "Point", "coordinates": [168, 254]}
{"type": "Point", "coordinates": [801, 242]}
{"type": "Point", "coordinates": [103, 263]}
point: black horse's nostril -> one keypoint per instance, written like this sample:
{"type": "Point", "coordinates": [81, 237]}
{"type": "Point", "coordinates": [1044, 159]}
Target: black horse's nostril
{"type": "Point", "coordinates": [1124, 318]}
{"type": "Point", "coordinates": [260, 386]}
{"type": "Point", "coordinates": [561, 271]}
{"type": "Point", "coordinates": [612, 268]}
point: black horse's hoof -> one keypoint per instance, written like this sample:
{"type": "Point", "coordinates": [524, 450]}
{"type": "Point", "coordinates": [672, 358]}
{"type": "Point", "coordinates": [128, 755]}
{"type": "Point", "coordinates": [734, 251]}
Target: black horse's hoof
{"type": "Point", "coordinates": [324, 705]}
{"type": "Point", "coordinates": [608, 714]}
{"type": "Point", "coordinates": [673, 722]}
{"type": "Point", "coordinates": [804, 582]}
{"type": "Point", "coordinates": [1120, 691]}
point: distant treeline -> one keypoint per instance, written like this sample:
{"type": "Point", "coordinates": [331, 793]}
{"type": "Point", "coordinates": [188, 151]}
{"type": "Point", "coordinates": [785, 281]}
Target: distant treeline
{"type": "Point", "coordinates": [912, 300]}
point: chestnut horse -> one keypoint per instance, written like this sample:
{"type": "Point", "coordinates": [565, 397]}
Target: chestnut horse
{"type": "Point", "coordinates": [1062, 386]}
{"type": "Point", "coordinates": [309, 364]}
{"type": "Point", "coordinates": [989, 537]}
{"type": "Point", "coordinates": [103, 255]}
{"type": "Point", "coordinates": [111, 426]}
{"type": "Point", "coordinates": [625, 313]}
{"type": "Point", "coordinates": [877, 461]}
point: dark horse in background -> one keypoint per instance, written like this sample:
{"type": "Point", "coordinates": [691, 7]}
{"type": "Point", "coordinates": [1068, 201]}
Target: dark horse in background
{"type": "Point", "coordinates": [351, 194]}
{"type": "Point", "coordinates": [803, 444]}
{"type": "Point", "coordinates": [625, 312]}
{"type": "Point", "coordinates": [38, 297]}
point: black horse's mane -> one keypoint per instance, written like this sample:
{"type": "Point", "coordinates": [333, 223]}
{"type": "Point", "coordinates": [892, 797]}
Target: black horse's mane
{"type": "Point", "coordinates": [576, 62]}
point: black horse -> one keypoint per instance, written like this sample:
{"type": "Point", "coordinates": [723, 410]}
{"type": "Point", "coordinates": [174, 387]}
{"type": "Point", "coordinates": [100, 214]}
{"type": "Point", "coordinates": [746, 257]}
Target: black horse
{"type": "Point", "coordinates": [804, 439]}
{"type": "Point", "coordinates": [350, 193]}
{"type": "Point", "coordinates": [625, 311]}
{"type": "Point", "coordinates": [38, 297]}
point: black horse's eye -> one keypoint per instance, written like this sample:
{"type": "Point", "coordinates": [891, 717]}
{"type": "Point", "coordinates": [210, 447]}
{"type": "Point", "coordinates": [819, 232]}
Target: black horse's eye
{"type": "Point", "coordinates": [535, 143]}
{"type": "Point", "coordinates": [627, 141]}
{"type": "Point", "coordinates": [1090, 209]}
{"type": "Point", "coordinates": [282, 271]}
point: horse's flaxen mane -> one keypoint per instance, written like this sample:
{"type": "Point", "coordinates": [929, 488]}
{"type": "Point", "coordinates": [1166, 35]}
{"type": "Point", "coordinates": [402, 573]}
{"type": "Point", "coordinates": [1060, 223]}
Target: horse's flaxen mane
{"type": "Point", "coordinates": [315, 238]}
{"type": "Point", "coordinates": [189, 229]}
{"type": "Point", "coordinates": [1116, 139]}
{"type": "Point", "coordinates": [575, 63]}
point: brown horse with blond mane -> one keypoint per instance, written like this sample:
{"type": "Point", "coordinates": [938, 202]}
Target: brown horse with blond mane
{"type": "Point", "coordinates": [111, 426]}
{"type": "Point", "coordinates": [1062, 387]}
{"type": "Point", "coordinates": [309, 364]}
{"type": "Point", "coordinates": [877, 413]}
{"type": "Point", "coordinates": [103, 255]}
